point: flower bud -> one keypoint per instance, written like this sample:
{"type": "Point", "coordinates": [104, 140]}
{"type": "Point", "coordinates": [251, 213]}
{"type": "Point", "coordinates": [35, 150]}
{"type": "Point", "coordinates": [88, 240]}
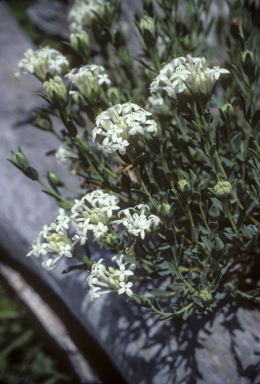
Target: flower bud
{"type": "Point", "coordinates": [55, 179]}
{"type": "Point", "coordinates": [56, 92]}
{"type": "Point", "coordinates": [113, 95]}
{"type": "Point", "coordinates": [223, 190]}
{"type": "Point", "coordinates": [80, 41]}
{"type": "Point", "coordinates": [217, 248]}
{"type": "Point", "coordinates": [166, 212]}
{"type": "Point", "coordinates": [19, 159]}
{"type": "Point", "coordinates": [205, 296]}
{"type": "Point", "coordinates": [202, 247]}
{"type": "Point", "coordinates": [227, 112]}
{"type": "Point", "coordinates": [21, 162]}
{"type": "Point", "coordinates": [184, 190]}
{"type": "Point", "coordinates": [214, 213]}
{"type": "Point", "coordinates": [147, 28]}
{"type": "Point", "coordinates": [248, 63]}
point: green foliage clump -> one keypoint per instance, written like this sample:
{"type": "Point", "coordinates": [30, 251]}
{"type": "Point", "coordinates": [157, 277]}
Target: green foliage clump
{"type": "Point", "coordinates": [167, 139]}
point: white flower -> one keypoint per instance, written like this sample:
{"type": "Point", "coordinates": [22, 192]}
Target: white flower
{"type": "Point", "coordinates": [62, 220]}
{"type": "Point", "coordinates": [41, 62]}
{"type": "Point", "coordinates": [99, 230]}
{"type": "Point", "coordinates": [45, 231]}
{"type": "Point", "coordinates": [49, 265]}
{"type": "Point", "coordinates": [102, 280]}
{"type": "Point", "coordinates": [125, 288]}
{"type": "Point", "coordinates": [138, 224]}
{"type": "Point", "coordinates": [88, 79]}
{"type": "Point", "coordinates": [37, 248]}
{"type": "Point", "coordinates": [122, 272]}
{"type": "Point", "coordinates": [216, 71]}
{"type": "Point", "coordinates": [64, 155]}
{"type": "Point", "coordinates": [53, 239]}
{"type": "Point", "coordinates": [93, 212]}
{"type": "Point", "coordinates": [65, 250]}
{"type": "Point", "coordinates": [115, 125]}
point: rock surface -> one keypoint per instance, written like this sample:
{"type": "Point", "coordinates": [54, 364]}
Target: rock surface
{"type": "Point", "coordinates": [144, 350]}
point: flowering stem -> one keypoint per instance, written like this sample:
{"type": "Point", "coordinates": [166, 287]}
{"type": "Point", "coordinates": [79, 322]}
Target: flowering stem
{"type": "Point", "coordinates": [181, 129]}
{"type": "Point", "coordinates": [226, 178]}
{"type": "Point", "coordinates": [166, 168]}
{"type": "Point", "coordinates": [143, 186]}
{"type": "Point", "coordinates": [72, 189]}
{"type": "Point", "coordinates": [59, 197]}
{"type": "Point", "coordinates": [92, 165]}
{"type": "Point", "coordinates": [179, 272]}
{"type": "Point", "coordinates": [204, 220]}
{"type": "Point", "coordinates": [84, 260]}
{"type": "Point", "coordinates": [173, 313]}
{"type": "Point", "coordinates": [226, 208]}
{"type": "Point", "coordinates": [192, 224]}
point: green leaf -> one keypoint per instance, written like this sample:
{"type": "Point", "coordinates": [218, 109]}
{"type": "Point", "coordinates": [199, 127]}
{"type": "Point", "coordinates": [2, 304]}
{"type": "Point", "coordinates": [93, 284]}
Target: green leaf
{"type": "Point", "coordinates": [144, 301]}
{"type": "Point", "coordinates": [187, 313]}
{"type": "Point", "coordinates": [74, 268]}
{"type": "Point", "coordinates": [8, 315]}
{"type": "Point", "coordinates": [141, 193]}
{"type": "Point", "coordinates": [172, 269]}
{"type": "Point", "coordinates": [207, 243]}
{"type": "Point", "coordinates": [203, 280]}
{"type": "Point", "coordinates": [197, 300]}
{"type": "Point", "coordinates": [170, 236]}
{"type": "Point", "coordinates": [155, 304]}
{"type": "Point", "coordinates": [169, 175]}
{"type": "Point", "coordinates": [212, 150]}
{"type": "Point", "coordinates": [142, 63]}
{"type": "Point", "coordinates": [158, 292]}
{"type": "Point", "coordinates": [72, 129]}
{"type": "Point", "coordinates": [17, 343]}
{"type": "Point", "coordinates": [256, 118]}
{"type": "Point", "coordinates": [138, 160]}
{"type": "Point", "coordinates": [166, 317]}
{"type": "Point", "coordinates": [241, 218]}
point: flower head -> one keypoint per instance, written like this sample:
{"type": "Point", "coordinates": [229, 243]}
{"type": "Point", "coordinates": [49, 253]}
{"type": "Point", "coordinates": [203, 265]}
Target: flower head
{"type": "Point", "coordinates": [89, 79]}
{"type": "Point", "coordinates": [102, 280]}
{"type": "Point", "coordinates": [53, 239]}
{"type": "Point", "coordinates": [115, 125]}
{"type": "Point", "coordinates": [223, 190]}
{"type": "Point", "coordinates": [188, 76]}
{"type": "Point", "coordinates": [139, 225]}
{"type": "Point", "coordinates": [93, 212]}
{"type": "Point", "coordinates": [41, 62]}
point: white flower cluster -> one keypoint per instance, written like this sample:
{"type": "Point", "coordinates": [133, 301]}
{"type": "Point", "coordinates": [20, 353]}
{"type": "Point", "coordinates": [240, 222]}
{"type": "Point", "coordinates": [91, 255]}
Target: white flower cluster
{"type": "Point", "coordinates": [88, 79]}
{"type": "Point", "coordinates": [81, 14]}
{"type": "Point", "coordinates": [112, 280]}
{"type": "Point", "coordinates": [96, 218]}
{"type": "Point", "coordinates": [116, 124]}
{"type": "Point", "coordinates": [41, 62]}
{"type": "Point", "coordinates": [138, 224]}
{"type": "Point", "coordinates": [56, 241]}
{"type": "Point", "coordinates": [182, 74]}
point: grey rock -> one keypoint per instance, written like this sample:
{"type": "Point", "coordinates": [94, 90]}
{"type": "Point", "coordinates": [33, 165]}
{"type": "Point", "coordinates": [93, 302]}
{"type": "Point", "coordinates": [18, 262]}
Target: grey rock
{"type": "Point", "coordinates": [50, 16]}
{"type": "Point", "coordinates": [144, 350]}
